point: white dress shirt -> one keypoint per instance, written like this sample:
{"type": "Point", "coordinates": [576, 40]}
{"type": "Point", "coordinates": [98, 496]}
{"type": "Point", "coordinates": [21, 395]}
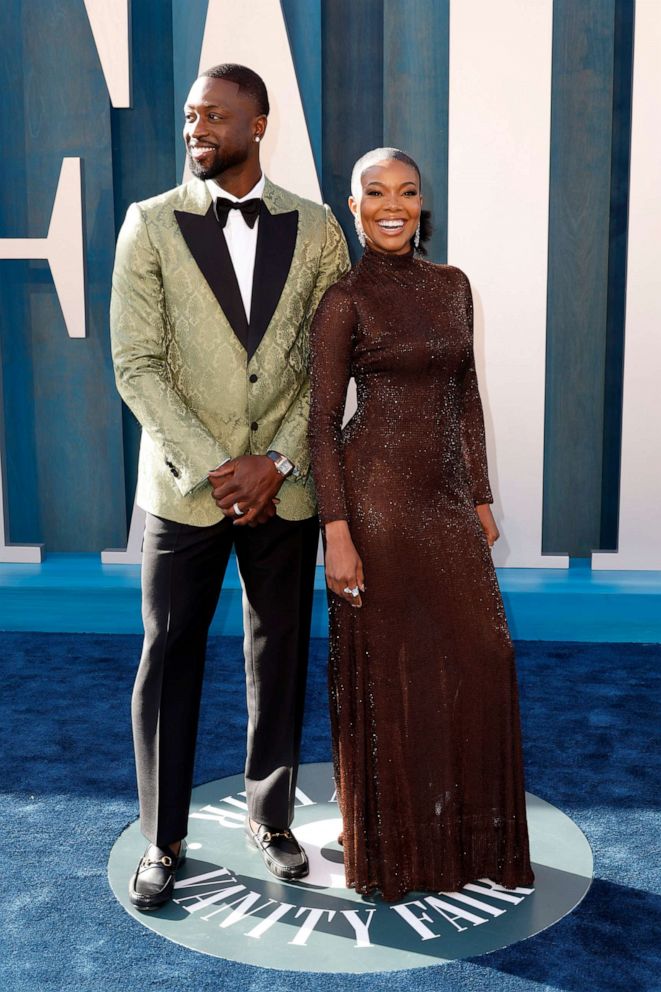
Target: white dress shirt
{"type": "Point", "coordinates": [241, 239]}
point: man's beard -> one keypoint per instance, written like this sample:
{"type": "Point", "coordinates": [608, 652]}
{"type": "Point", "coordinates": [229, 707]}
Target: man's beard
{"type": "Point", "coordinates": [220, 164]}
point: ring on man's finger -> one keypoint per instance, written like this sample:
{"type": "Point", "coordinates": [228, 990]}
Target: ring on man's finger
{"type": "Point", "coordinates": [237, 510]}
{"type": "Point", "coordinates": [352, 592]}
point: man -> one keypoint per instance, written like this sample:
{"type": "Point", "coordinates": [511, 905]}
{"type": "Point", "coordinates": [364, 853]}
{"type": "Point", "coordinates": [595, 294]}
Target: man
{"type": "Point", "coordinates": [214, 287]}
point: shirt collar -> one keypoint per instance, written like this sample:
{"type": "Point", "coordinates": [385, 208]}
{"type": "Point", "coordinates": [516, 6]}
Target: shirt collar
{"type": "Point", "coordinates": [256, 191]}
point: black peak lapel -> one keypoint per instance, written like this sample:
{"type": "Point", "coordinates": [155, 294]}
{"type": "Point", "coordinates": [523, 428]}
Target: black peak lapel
{"type": "Point", "coordinates": [207, 245]}
{"type": "Point", "coordinates": [276, 240]}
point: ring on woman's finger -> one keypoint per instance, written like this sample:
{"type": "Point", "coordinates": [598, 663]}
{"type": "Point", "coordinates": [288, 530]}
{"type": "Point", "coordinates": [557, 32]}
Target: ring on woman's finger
{"type": "Point", "coordinates": [238, 512]}
{"type": "Point", "coordinates": [352, 592]}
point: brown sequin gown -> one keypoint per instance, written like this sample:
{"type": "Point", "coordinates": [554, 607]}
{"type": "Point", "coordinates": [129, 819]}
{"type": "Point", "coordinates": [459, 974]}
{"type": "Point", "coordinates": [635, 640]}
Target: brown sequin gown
{"type": "Point", "coordinates": [424, 703]}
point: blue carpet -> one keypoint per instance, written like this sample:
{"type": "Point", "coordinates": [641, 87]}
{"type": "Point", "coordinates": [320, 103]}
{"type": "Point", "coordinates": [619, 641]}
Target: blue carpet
{"type": "Point", "coordinates": [590, 715]}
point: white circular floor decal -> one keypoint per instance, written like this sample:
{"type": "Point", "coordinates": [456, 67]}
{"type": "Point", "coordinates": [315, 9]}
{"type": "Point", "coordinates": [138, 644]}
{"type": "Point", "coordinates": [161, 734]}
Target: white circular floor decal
{"type": "Point", "coordinates": [227, 904]}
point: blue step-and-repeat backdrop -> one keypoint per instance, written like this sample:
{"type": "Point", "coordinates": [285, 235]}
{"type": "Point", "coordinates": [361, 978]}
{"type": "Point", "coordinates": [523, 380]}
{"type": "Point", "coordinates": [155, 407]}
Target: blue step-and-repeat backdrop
{"type": "Point", "coordinates": [530, 124]}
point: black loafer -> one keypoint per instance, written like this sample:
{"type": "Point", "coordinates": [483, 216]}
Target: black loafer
{"type": "Point", "coordinates": [153, 882]}
{"type": "Point", "coordinates": [282, 854]}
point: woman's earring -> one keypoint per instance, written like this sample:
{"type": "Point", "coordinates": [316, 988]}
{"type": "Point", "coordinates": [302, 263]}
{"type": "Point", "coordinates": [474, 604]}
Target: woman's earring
{"type": "Point", "coordinates": [257, 138]}
{"type": "Point", "coordinates": [359, 229]}
{"type": "Point", "coordinates": [416, 239]}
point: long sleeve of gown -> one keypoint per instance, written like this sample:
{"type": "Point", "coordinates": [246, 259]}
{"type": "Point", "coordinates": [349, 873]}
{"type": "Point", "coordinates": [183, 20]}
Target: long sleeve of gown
{"type": "Point", "coordinates": [331, 336]}
{"type": "Point", "coordinates": [473, 442]}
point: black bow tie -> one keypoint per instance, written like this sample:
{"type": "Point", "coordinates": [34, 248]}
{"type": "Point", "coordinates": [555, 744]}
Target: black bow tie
{"type": "Point", "coordinates": [249, 209]}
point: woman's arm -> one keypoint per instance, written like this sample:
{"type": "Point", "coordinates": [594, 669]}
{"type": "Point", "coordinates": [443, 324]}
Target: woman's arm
{"type": "Point", "coordinates": [331, 339]}
{"type": "Point", "coordinates": [473, 441]}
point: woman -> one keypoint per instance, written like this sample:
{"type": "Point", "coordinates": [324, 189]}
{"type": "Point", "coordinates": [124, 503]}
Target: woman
{"type": "Point", "coordinates": [424, 706]}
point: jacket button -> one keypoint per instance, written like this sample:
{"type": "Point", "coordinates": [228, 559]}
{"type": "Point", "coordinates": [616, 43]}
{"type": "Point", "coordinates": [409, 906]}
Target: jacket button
{"type": "Point", "coordinates": [253, 377]}
{"type": "Point", "coordinates": [254, 426]}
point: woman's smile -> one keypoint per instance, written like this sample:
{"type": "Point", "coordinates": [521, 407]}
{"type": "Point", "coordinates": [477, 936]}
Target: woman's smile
{"type": "Point", "coordinates": [390, 205]}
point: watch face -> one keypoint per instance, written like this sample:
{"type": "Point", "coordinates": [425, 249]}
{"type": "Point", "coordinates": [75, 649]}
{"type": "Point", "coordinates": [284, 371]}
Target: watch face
{"type": "Point", "coordinates": [281, 462]}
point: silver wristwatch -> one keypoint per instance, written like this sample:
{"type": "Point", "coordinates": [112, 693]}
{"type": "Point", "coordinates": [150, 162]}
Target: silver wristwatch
{"type": "Point", "coordinates": [281, 462]}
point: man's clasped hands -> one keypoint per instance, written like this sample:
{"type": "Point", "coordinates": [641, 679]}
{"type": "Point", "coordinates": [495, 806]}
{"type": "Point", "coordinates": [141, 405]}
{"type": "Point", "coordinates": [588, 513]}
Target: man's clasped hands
{"type": "Point", "coordinates": [245, 488]}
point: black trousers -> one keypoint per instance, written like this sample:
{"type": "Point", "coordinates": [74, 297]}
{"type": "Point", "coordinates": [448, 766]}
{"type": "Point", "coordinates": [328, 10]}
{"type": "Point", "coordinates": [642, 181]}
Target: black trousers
{"type": "Point", "coordinates": [182, 573]}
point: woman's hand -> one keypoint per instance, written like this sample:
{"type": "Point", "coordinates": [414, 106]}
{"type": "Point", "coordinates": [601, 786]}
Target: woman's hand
{"type": "Point", "coordinates": [483, 511]}
{"type": "Point", "coordinates": [344, 569]}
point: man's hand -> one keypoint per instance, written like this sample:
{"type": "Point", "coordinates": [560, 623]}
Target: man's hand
{"type": "Point", "coordinates": [250, 481]}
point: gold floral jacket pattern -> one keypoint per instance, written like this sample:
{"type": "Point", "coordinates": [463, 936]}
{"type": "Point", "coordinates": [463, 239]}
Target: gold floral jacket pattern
{"type": "Point", "coordinates": [183, 372]}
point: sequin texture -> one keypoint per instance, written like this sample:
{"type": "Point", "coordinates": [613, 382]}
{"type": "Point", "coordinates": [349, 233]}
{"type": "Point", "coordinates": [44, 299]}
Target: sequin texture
{"type": "Point", "coordinates": [423, 690]}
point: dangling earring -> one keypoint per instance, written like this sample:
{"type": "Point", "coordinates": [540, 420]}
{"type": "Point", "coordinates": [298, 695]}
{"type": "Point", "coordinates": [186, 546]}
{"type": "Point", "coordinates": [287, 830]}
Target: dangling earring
{"type": "Point", "coordinates": [359, 229]}
{"type": "Point", "coordinates": [416, 239]}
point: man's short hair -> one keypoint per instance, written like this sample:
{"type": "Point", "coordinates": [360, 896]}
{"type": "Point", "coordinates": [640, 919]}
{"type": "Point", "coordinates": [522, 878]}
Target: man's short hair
{"type": "Point", "coordinates": [247, 81]}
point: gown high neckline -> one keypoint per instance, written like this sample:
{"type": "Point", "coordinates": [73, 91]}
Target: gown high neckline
{"type": "Point", "coordinates": [375, 260]}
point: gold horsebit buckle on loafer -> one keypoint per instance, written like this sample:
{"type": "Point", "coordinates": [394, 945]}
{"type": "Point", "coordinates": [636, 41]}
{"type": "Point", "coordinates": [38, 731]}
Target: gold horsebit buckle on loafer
{"type": "Point", "coordinates": [270, 835]}
{"type": "Point", "coordinates": [166, 861]}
